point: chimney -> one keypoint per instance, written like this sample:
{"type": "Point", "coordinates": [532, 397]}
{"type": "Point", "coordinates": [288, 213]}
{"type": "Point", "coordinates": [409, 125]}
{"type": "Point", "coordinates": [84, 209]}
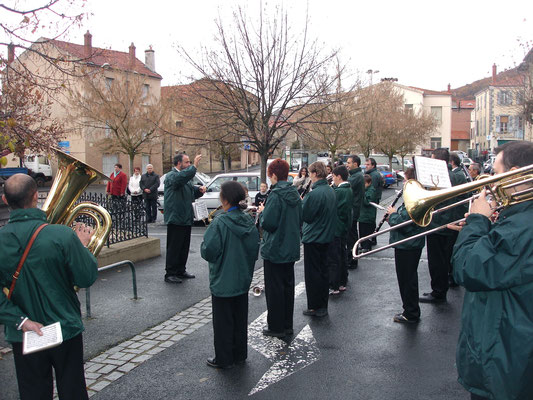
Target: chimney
{"type": "Point", "coordinates": [10, 53]}
{"type": "Point", "coordinates": [449, 88]}
{"type": "Point", "coordinates": [494, 73]}
{"type": "Point", "coordinates": [149, 59]}
{"type": "Point", "coordinates": [132, 55]}
{"type": "Point", "coordinates": [88, 45]}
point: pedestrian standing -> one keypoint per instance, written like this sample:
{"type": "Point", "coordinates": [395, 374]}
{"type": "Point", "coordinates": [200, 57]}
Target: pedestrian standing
{"type": "Point", "coordinates": [281, 220]}
{"type": "Point", "coordinates": [44, 292]}
{"type": "Point", "coordinates": [134, 187]}
{"type": "Point", "coordinates": [338, 272]}
{"type": "Point", "coordinates": [302, 182]}
{"type": "Point", "coordinates": [329, 174]}
{"type": "Point", "coordinates": [367, 217]}
{"type": "Point", "coordinates": [494, 263]}
{"type": "Point", "coordinates": [406, 259]}
{"type": "Point", "coordinates": [149, 185]}
{"type": "Point", "coordinates": [320, 218]}
{"type": "Point", "coordinates": [358, 189]}
{"type": "Point", "coordinates": [231, 246]}
{"type": "Point", "coordinates": [179, 216]}
{"type": "Point", "coordinates": [262, 195]}
{"type": "Point", "coordinates": [116, 187]}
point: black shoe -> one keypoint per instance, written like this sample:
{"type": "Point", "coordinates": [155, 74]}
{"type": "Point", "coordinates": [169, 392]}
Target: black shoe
{"type": "Point", "coordinates": [309, 312]}
{"type": "Point", "coordinates": [353, 265]}
{"type": "Point", "coordinates": [212, 362]}
{"type": "Point", "coordinates": [289, 331]}
{"type": "Point", "coordinates": [321, 312]}
{"type": "Point", "coordinates": [186, 275]}
{"type": "Point", "coordinates": [268, 332]}
{"type": "Point", "coordinates": [172, 279]}
{"type": "Point", "coordinates": [429, 298]}
{"type": "Point", "coordinates": [400, 318]}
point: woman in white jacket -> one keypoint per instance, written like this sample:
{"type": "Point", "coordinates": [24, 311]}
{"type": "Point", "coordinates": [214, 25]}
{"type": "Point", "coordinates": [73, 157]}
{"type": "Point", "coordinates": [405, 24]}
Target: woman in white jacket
{"type": "Point", "coordinates": [134, 186]}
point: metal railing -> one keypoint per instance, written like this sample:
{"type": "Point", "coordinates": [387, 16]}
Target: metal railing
{"type": "Point", "coordinates": [128, 216]}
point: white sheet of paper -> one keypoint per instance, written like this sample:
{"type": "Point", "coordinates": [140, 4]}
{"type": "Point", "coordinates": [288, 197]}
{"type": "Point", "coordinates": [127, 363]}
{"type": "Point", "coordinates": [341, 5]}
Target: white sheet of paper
{"type": "Point", "coordinates": [200, 210]}
{"type": "Point", "coordinates": [52, 337]}
{"type": "Point", "coordinates": [432, 173]}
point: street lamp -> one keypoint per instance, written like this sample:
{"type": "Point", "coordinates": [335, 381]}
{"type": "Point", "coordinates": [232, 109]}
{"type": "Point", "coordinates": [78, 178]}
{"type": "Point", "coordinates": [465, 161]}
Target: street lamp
{"type": "Point", "coordinates": [371, 72]}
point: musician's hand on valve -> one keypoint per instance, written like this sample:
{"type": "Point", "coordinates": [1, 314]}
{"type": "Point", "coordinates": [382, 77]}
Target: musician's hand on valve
{"type": "Point", "coordinates": [390, 210]}
{"type": "Point", "coordinates": [482, 206]}
{"type": "Point", "coordinates": [261, 207]}
{"type": "Point", "coordinates": [456, 227]}
{"type": "Point", "coordinates": [84, 233]}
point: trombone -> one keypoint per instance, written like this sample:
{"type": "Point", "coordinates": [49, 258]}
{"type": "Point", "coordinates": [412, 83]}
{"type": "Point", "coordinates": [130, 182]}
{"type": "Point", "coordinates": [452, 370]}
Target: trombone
{"type": "Point", "coordinates": [420, 203]}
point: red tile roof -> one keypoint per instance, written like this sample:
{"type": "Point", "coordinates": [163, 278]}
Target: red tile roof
{"type": "Point", "coordinates": [116, 59]}
{"type": "Point", "coordinates": [431, 92]}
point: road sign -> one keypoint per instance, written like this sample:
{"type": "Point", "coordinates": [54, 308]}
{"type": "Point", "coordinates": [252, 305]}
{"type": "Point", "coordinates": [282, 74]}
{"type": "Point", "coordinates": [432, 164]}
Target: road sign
{"type": "Point", "coordinates": [64, 143]}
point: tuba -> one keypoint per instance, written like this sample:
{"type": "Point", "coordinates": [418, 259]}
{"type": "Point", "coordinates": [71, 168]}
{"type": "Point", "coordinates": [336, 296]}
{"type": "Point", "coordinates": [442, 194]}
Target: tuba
{"type": "Point", "coordinates": [73, 177]}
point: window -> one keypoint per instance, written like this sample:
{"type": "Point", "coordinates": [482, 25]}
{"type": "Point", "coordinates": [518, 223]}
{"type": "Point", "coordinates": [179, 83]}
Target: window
{"type": "Point", "coordinates": [108, 83]}
{"type": "Point", "coordinates": [520, 97]}
{"type": "Point", "coordinates": [217, 183]}
{"type": "Point", "coordinates": [437, 114]}
{"type": "Point", "coordinates": [145, 90]}
{"type": "Point", "coordinates": [107, 131]}
{"type": "Point", "coordinates": [145, 162]}
{"type": "Point", "coordinates": [251, 182]}
{"type": "Point", "coordinates": [505, 98]}
{"type": "Point", "coordinates": [179, 124]}
{"type": "Point", "coordinates": [520, 123]}
{"type": "Point", "coordinates": [435, 142]}
{"type": "Point", "coordinates": [108, 163]}
{"type": "Point", "coordinates": [409, 107]}
{"type": "Point", "coordinates": [43, 160]}
{"type": "Point", "coordinates": [504, 121]}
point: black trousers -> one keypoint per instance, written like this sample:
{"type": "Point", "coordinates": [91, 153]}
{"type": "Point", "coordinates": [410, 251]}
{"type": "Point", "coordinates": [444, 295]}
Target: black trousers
{"type": "Point", "coordinates": [337, 263]}
{"type": "Point", "coordinates": [316, 275]}
{"type": "Point", "coordinates": [279, 292]}
{"type": "Point", "coordinates": [34, 371]}
{"type": "Point", "coordinates": [136, 202]}
{"type": "Point", "coordinates": [178, 244]}
{"type": "Point", "coordinates": [451, 242]}
{"type": "Point", "coordinates": [352, 237]}
{"type": "Point", "coordinates": [151, 209]}
{"type": "Point", "coordinates": [407, 273]}
{"type": "Point", "coordinates": [230, 327]}
{"type": "Point", "coordinates": [439, 257]}
{"type": "Point", "coordinates": [366, 229]}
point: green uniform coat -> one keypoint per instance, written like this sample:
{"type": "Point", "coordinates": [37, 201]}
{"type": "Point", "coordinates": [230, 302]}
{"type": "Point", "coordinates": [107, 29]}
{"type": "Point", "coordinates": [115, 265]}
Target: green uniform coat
{"type": "Point", "coordinates": [398, 217]}
{"type": "Point", "coordinates": [368, 212]}
{"type": "Point", "coordinates": [231, 247]}
{"type": "Point", "coordinates": [377, 182]}
{"type": "Point", "coordinates": [357, 183]}
{"type": "Point", "coordinates": [494, 263]}
{"type": "Point", "coordinates": [179, 196]}
{"type": "Point", "coordinates": [344, 195]}
{"type": "Point", "coordinates": [281, 221]}
{"type": "Point", "coordinates": [319, 214]}
{"type": "Point", "coordinates": [44, 291]}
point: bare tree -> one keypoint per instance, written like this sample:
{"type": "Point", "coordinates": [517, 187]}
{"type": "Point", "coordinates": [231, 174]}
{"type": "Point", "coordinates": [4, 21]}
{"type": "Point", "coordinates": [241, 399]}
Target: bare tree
{"type": "Point", "coordinates": [122, 114]}
{"type": "Point", "coordinates": [262, 74]}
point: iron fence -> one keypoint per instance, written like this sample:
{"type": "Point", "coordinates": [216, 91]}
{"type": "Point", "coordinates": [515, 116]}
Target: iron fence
{"type": "Point", "coordinates": [128, 216]}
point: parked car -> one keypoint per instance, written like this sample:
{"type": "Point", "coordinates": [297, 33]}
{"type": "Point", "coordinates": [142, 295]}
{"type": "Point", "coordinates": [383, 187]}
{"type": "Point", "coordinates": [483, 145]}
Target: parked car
{"type": "Point", "coordinates": [467, 161]}
{"type": "Point", "coordinates": [407, 163]}
{"type": "Point", "coordinates": [389, 177]}
{"type": "Point", "coordinates": [36, 166]}
{"type": "Point", "coordinates": [200, 179]}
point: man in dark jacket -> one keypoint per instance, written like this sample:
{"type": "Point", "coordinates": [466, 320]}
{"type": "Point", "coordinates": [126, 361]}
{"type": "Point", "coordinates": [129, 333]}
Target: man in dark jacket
{"type": "Point", "coordinates": [44, 293]}
{"type": "Point", "coordinates": [179, 216]}
{"type": "Point", "coordinates": [231, 246]}
{"type": "Point", "coordinates": [377, 178]}
{"type": "Point", "coordinates": [149, 185]}
{"type": "Point", "coordinates": [494, 263]}
{"type": "Point", "coordinates": [338, 273]}
{"type": "Point", "coordinates": [320, 220]}
{"type": "Point", "coordinates": [358, 190]}
{"type": "Point", "coordinates": [281, 220]}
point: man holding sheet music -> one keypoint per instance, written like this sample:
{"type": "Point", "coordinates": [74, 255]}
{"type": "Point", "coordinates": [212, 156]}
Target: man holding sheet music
{"type": "Point", "coordinates": [44, 292]}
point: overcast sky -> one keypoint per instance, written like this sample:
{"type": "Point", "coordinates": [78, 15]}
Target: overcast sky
{"type": "Point", "coordinates": [422, 43]}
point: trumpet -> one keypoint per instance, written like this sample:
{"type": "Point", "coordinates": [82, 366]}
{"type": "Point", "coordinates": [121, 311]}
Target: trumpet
{"type": "Point", "coordinates": [257, 290]}
{"type": "Point", "coordinates": [420, 203]}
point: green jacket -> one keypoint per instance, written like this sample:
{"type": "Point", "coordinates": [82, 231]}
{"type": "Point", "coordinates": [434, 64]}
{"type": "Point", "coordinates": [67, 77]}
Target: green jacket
{"type": "Point", "coordinates": [281, 221]}
{"type": "Point", "coordinates": [377, 182]}
{"type": "Point", "coordinates": [319, 214]}
{"type": "Point", "coordinates": [368, 212]}
{"type": "Point", "coordinates": [179, 196]}
{"type": "Point", "coordinates": [358, 188]}
{"type": "Point", "coordinates": [231, 246]}
{"type": "Point", "coordinates": [398, 217]}
{"type": "Point", "coordinates": [344, 195]}
{"type": "Point", "coordinates": [494, 263]}
{"type": "Point", "coordinates": [45, 289]}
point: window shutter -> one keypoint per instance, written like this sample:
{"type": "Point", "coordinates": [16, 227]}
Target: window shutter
{"type": "Point", "coordinates": [499, 99]}
{"type": "Point", "coordinates": [498, 121]}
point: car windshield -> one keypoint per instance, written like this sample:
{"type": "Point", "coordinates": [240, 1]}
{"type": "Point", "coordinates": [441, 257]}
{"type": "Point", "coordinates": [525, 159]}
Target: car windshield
{"type": "Point", "coordinates": [217, 183]}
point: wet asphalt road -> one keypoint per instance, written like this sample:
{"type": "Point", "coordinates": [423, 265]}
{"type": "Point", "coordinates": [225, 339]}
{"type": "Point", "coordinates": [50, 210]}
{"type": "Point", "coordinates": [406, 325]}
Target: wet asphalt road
{"type": "Point", "coordinates": [362, 353]}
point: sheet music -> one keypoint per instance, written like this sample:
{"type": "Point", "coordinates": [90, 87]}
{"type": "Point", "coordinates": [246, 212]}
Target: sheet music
{"type": "Point", "coordinates": [432, 173]}
{"type": "Point", "coordinates": [52, 336]}
{"type": "Point", "coordinates": [200, 210]}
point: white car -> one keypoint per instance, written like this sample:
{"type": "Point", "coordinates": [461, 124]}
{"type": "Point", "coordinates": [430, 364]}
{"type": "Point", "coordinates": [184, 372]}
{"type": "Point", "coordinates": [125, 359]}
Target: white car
{"type": "Point", "coordinates": [467, 161]}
